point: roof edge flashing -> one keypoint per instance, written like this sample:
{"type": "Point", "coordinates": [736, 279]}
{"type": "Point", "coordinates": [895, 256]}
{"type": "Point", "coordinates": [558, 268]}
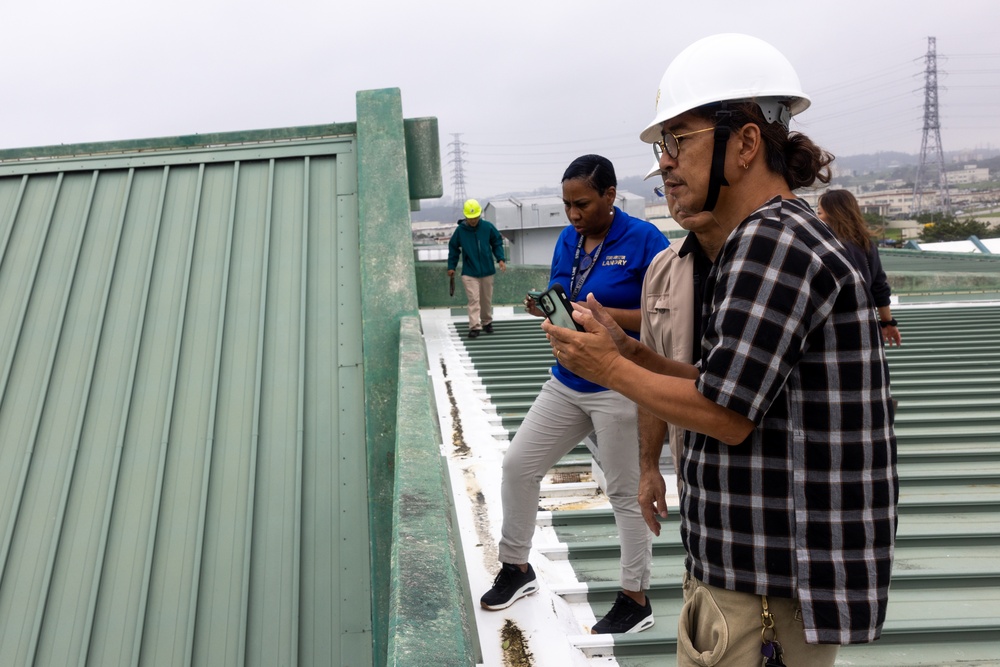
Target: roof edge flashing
{"type": "Point", "coordinates": [185, 142]}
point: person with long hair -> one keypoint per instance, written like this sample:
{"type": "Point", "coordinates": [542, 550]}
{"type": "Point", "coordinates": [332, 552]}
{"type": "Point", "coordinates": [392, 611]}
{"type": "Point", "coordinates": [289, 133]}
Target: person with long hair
{"type": "Point", "coordinates": [603, 251]}
{"type": "Point", "coordinates": [788, 488]}
{"type": "Point", "coordinates": [840, 210]}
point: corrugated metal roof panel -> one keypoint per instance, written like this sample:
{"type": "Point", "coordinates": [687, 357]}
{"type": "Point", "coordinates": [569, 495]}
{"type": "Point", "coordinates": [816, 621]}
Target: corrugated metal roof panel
{"type": "Point", "coordinates": [182, 474]}
{"type": "Point", "coordinates": [945, 597]}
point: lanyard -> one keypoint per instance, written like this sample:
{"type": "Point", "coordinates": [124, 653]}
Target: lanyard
{"type": "Point", "coordinates": [577, 285]}
{"type": "Point", "coordinates": [596, 255]}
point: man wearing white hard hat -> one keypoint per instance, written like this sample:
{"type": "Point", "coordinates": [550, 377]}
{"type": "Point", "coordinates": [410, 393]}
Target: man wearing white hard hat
{"type": "Point", "coordinates": [788, 469]}
{"type": "Point", "coordinates": [478, 242]}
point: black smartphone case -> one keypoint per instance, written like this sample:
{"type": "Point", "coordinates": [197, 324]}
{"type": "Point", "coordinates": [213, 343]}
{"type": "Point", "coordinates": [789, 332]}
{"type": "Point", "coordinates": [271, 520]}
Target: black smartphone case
{"type": "Point", "coordinates": [557, 307]}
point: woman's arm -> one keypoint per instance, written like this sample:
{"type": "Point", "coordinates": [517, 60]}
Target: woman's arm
{"type": "Point", "coordinates": [890, 332]}
{"type": "Point", "coordinates": [628, 319]}
{"type": "Point", "coordinates": [879, 283]}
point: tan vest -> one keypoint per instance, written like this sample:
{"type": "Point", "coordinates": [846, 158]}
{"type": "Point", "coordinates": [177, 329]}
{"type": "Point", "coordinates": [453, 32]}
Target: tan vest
{"type": "Point", "coordinates": [668, 318]}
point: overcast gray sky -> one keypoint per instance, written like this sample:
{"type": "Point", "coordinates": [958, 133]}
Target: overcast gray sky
{"type": "Point", "coordinates": [529, 84]}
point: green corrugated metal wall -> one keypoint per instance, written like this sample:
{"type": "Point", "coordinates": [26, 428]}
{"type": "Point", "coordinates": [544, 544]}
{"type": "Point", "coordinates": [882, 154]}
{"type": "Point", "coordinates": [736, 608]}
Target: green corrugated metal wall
{"type": "Point", "coordinates": [182, 467]}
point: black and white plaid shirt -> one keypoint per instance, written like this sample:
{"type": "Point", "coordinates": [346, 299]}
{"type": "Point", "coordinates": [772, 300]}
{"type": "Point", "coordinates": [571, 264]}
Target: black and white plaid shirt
{"type": "Point", "coordinates": [806, 506]}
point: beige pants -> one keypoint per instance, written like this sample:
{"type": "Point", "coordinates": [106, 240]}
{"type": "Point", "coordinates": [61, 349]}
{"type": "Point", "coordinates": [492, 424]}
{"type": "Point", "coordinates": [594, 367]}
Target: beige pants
{"type": "Point", "coordinates": [721, 628]}
{"type": "Point", "coordinates": [479, 293]}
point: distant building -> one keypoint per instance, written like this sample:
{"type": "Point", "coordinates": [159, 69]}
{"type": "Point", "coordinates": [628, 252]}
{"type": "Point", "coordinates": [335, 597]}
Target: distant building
{"type": "Point", "coordinates": [969, 173]}
{"type": "Point", "coordinates": [659, 215]}
{"type": "Point", "coordinates": [430, 240]}
{"type": "Point", "coordinates": [890, 203]}
{"type": "Point", "coordinates": [532, 225]}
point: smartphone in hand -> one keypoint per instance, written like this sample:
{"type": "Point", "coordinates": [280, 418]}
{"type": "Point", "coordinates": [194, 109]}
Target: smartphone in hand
{"type": "Point", "coordinates": [557, 307]}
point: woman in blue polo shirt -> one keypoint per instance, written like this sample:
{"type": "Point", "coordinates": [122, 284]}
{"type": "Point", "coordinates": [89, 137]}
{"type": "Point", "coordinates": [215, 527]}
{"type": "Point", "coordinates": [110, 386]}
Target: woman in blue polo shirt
{"type": "Point", "coordinates": [604, 251]}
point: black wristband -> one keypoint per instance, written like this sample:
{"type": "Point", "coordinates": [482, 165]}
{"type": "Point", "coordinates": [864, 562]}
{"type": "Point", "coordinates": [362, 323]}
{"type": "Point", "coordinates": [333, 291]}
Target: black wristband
{"type": "Point", "coordinates": [888, 323]}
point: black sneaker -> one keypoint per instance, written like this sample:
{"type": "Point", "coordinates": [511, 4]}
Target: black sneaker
{"type": "Point", "coordinates": [473, 333]}
{"type": "Point", "coordinates": [626, 616]}
{"type": "Point", "coordinates": [488, 328]}
{"type": "Point", "coordinates": [510, 585]}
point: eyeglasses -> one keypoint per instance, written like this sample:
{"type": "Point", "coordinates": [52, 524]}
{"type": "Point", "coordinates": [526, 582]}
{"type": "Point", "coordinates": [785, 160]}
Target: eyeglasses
{"type": "Point", "coordinates": [671, 143]}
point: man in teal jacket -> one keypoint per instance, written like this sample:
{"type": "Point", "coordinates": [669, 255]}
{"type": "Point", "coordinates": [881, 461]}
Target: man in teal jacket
{"type": "Point", "coordinates": [479, 242]}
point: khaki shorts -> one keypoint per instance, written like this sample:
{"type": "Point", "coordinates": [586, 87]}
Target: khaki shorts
{"type": "Point", "coordinates": [721, 628]}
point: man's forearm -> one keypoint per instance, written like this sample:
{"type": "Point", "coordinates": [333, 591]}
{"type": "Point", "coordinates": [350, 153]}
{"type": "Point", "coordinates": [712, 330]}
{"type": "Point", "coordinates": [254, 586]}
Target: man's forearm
{"type": "Point", "coordinates": [652, 431]}
{"type": "Point", "coordinates": [642, 355]}
{"type": "Point", "coordinates": [674, 399]}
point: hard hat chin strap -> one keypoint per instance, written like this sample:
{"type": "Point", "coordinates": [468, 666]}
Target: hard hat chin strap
{"type": "Point", "coordinates": [717, 177]}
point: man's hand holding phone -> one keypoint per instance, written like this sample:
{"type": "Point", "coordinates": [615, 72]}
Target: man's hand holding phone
{"type": "Point", "coordinates": [588, 349]}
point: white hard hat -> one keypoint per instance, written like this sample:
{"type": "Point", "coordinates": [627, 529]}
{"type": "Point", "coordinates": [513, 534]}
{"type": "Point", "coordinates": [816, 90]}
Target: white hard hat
{"type": "Point", "coordinates": [727, 67]}
{"type": "Point", "coordinates": [653, 171]}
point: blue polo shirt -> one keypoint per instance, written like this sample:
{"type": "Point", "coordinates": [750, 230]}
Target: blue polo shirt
{"type": "Point", "coordinates": [616, 277]}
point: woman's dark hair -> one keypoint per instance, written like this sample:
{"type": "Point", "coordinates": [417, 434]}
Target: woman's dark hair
{"type": "Point", "coordinates": [842, 213]}
{"type": "Point", "coordinates": [596, 170]}
{"type": "Point", "coordinates": [792, 154]}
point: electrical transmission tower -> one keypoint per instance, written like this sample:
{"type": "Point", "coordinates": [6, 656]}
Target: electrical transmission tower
{"type": "Point", "coordinates": [458, 170]}
{"type": "Point", "coordinates": [932, 131]}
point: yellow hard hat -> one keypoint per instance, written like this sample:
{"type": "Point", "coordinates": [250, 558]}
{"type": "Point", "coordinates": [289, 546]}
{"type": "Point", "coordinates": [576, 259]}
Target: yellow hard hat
{"type": "Point", "coordinates": [472, 209]}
